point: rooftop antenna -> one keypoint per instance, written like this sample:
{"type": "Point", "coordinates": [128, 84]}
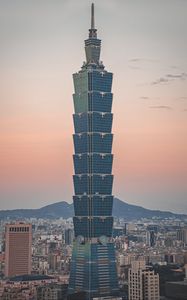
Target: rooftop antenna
{"type": "Point", "coordinates": [92, 17]}
{"type": "Point", "coordinates": [92, 30]}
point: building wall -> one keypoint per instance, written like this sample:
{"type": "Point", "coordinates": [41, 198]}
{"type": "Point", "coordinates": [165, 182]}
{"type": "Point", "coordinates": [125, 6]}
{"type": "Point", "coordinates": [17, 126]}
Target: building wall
{"type": "Point", "coordinates": [143, 283]}
{"type": "Point", "coordinates": [176, 290]}
{"type": "Point", "coordinates": [182, 235]}
{"type": "Point", "coordinates": [18, 244]}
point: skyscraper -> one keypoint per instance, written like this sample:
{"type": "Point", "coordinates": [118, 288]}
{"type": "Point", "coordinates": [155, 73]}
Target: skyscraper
{"type": "Point", "coordinates": [18, 243]}
{"type": "Point", "coordinates": [68, 236]}
{"type": "Point", "coordinates": [150, 238]}
{"type": "Point", "coordinates": [93, 266]}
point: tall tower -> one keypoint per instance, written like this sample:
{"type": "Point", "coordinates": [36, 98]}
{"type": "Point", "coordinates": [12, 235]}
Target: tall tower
{"type": "Point", "coordinates": [93, 266]}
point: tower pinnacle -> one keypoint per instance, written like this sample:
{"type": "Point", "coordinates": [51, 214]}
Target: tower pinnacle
{"type": "Point", "coordinates": [92, 17]}
{"type": "Point", "coordinates": [92, 30]}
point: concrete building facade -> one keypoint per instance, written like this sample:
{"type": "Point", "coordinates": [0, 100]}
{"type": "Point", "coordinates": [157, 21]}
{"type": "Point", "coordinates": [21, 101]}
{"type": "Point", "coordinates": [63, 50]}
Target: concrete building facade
{"type": "Point", "coordinates": [18, 245]}
{"type": "Point", "coordinates": [143, 282]}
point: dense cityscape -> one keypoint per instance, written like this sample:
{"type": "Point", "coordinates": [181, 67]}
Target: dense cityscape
{"type": "Point", "coordinates": [157, 246]}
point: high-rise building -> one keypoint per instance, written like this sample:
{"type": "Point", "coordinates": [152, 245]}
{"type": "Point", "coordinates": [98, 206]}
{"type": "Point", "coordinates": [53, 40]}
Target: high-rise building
{"type": "Point", "coordinates": [182, 235]}
{"type": "Point", "coordinates": [150, 238]}
{"type": "Point", "coordinates": [143, 282]}
{"type": "Point", "coordinates": [69, 236]}
{"type": "Point", "coordinates": [93, 265]}
{"type": "Point", "coordinates": [18, 244]}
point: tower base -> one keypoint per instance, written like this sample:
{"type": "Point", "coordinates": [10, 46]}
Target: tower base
{"type": "Point", "coordinates": [93, 270]}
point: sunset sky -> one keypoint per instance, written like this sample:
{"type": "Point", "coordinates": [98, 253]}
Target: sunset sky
{"type": "Point", "coordinates": [144, 43]}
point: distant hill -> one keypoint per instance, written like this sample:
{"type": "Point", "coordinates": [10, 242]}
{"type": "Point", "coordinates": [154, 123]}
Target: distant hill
{"type": "Point", "coordinates": [65, 210]}
{"type": "Point", "coordinates": [130, 212]}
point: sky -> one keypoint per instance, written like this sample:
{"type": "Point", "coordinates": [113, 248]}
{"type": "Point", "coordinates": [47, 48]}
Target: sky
{"type": "Point", "coordinates": [144, 43]}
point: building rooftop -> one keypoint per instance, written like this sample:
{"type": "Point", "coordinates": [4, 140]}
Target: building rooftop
{"type": "Point", "coordinates": [30, 278]}
{"type": "Point", "coordinates": [177, 282]}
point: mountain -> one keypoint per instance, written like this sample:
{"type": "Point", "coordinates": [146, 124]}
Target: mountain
{"type": "Point", "coordinates": [65, 210]}
{"type": "Point", "coordinates": [52, 211]}
{"type": "Point", "coordinates": [130, 212]}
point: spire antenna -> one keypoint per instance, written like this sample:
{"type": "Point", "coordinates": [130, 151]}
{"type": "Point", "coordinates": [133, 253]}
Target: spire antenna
{"type": "Point", "coordinates": [92, 17]}
{"type": "Point", "coordinates": [92, 30]}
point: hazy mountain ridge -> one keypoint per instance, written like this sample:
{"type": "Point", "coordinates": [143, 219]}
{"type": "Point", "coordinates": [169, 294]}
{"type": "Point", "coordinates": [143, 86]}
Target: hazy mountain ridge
{"type": "Point", "coordinates": [65, 210]}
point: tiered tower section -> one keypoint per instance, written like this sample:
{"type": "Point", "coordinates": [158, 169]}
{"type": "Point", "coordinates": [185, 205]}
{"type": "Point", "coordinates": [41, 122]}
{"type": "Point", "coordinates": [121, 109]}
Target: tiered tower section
{"type": "Point", "coordinates": [93, 266]}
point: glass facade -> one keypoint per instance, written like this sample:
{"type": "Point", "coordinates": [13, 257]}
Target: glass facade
{"type": "Point", "coordinates": [93, 264]}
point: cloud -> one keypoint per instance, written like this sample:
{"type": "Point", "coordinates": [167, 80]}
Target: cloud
{"type": "Point", "coordinates": [144, 98]}
{"type": "Point", "coordinates": [139, 63]}
{"type": "Point", "coordinates": [174, 67]}
{"type": "Point", "coordinates": [182, 76]}
{"type": "Point", "coordinates": [134, 60]}
{"type": "Point", "coordinates": [160, 80]}
{"type": "Point", "coordinates": [181, 98]}
{"type": "Point", "coordinates": [161, 107]}
{"type": "Point", "coordinates": [170, 77]}
{"type": "Point", "coordinates": [134, 67]}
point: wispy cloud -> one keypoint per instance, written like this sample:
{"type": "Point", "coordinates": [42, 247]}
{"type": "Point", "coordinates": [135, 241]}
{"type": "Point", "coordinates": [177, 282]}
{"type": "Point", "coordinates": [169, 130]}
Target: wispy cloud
{"type": "Point", "coordinates": [161, 107]}
{"type": "Point", "coordinates": [181, 76]}
{"type": "Point", "coordinates": [160, 81]}
{"type": "Point", "coordinates": [134, 60]}
{"type": "Point", "coordinates": [134, 67]}
{"type": "Point", "coordinates": [170, 77]}
{"type": "Point", "coordinates": [144, 98]}
{"type": "Point", "coordinates": [140, 63]}
{"type": "Point", "coordinates": [184, 98]}
{"type": "Point", "coordinates": [174, 67]}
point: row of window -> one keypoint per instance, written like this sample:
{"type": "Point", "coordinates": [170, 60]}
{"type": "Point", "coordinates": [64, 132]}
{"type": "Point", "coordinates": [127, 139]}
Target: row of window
{"type": "Point", "coordinates": [92, 80]}
{"type": "Point", "coordinates": [91, 185]}
{"type": "Point", "coordinates": [95, 207]}
{"type": "Point", "coordinates": [93, 164]}
{"type": "Point", "coordinates": [93, 227]}
{"type": "Point", "coordinates": [19, 229]}
{"type": "Point", "coordinates": [96, 142]}
{"type": "Point", "coordinates": [100, 81]}
{"type": "Point", "coordinates": [96, 101]}
{"type": "Point", "coordinates": [93, 123]}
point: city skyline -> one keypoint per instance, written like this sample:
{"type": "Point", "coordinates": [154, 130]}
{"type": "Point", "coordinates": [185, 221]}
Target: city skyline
{"type": "Point", "coordinates": [147, 53]}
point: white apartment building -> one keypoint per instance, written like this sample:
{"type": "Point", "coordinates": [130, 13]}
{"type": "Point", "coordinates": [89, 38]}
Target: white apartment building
{"type": "Point", "coordinates": [143, 282]}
